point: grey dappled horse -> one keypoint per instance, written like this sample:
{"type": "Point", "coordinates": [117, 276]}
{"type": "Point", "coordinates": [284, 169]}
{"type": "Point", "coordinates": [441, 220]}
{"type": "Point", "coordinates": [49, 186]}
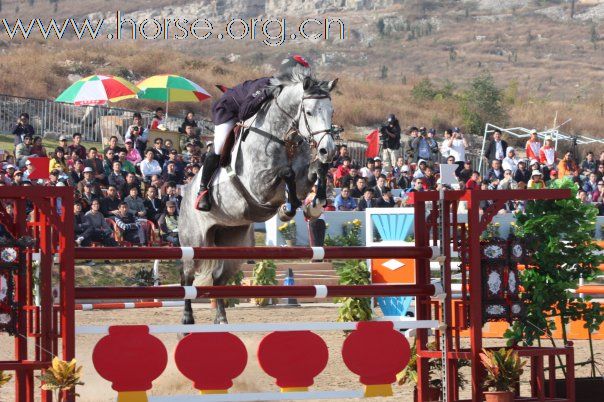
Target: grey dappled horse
{"type": "Point", "coordinates": [287, 147]}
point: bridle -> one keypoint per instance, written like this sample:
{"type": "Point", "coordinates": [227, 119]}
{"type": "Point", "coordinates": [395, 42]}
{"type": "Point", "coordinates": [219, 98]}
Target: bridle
{"type": "Point", "coordinates": [294, 128]}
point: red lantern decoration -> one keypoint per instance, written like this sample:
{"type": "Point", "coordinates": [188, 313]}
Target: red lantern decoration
{"type": "Point", "coordinates": [211, 360]}
{"type": "Point", "coordinates": [376, 352]}
{"type": "Point", "coordinates": [131, 359]}
{"type": "Point", "coordinates": [294, 358]}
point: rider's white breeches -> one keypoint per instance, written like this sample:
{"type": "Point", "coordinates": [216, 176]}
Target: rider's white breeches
{"type": "Point", "coordinates": [221, 133]}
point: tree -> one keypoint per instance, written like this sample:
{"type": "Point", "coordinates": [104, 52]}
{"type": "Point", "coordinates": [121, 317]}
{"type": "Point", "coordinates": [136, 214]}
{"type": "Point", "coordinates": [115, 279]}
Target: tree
{"type": "Point", "coordinates": [482, 103]}
{"type": "Point", "coordinates": [559, 237]}
{"type": "Point", "coordinates": [424, 90]}
{"type": "Point", "coordinates": [384, 73]}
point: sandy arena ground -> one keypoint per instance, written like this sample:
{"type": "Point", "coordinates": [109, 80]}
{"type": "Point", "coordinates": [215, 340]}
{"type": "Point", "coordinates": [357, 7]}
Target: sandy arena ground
{"type": "Point", "coordinates": [335, 377]}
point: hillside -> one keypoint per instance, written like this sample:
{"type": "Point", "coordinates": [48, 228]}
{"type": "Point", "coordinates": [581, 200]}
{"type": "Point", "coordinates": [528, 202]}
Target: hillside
{"type": "Point", "coordinates": [544, 61]}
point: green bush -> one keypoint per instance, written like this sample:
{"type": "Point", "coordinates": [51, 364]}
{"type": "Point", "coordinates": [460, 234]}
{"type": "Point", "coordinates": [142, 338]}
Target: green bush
{"type": "Point", "coordinates": [482, 103]}
{"type": "Point", "coordinates": [265, 273]}
{"type": "Point", "coordinates": [236, 280]}
{"type": "Point", "coordinates": [354, 272]}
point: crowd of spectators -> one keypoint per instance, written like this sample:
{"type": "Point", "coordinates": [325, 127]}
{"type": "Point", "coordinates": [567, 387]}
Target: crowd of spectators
{"type": "Point", "coordinates": [124, 191]}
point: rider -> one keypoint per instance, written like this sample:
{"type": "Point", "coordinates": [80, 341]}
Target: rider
{"type": "Point", "coordinates": [238, 104]}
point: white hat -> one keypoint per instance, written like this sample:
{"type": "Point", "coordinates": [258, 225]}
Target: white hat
{"type": "Point", "coordinates": [28, 162]}
{"type": "Point", "coordinates": [405, 168]}
{"type": "Point", "coordinates": [377, 158]}
{"type": "Point", "coordinates": [88, 169]}
{"type": "Point", "coordinates": [536, 173]}
{"type": "Point", "coordinates": [533, 161]}
{"type": "Point", "coordinates": [507, 151]}
{"type": "Point", "coordinates": [162, 127]}
{"type": "Point", "coordinates": [9, 166]}
{"type": "Point", "coordinates": [421, 160]}
{"type": "Point", "coordinates": [533, 131]}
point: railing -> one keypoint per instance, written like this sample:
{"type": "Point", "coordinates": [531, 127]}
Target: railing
{"type": "Point", "coordinates": [55, 118]}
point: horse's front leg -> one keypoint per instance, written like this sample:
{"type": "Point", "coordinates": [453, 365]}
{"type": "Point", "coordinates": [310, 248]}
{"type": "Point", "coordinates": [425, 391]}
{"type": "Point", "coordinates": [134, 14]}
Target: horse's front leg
{"type": "Point", "coordinates": [321, 197]}
{"type": "Point", "coordinates": [288, 211]}
{"type": "Point", "coordinates": [187, 277]}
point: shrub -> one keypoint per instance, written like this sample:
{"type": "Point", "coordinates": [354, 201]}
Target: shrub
{"type": "Point", "coordinates": [354, 272]}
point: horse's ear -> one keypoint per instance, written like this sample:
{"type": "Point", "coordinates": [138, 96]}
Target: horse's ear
{"type": "Point", "coordinates": [307, 83]}
{"type": "Point", "coordinates": [332, 84]}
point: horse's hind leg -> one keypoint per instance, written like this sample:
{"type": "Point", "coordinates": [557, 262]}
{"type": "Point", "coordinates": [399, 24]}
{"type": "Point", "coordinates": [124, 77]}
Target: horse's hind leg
{"type": "Point", "coordinates": [224, 274]}
{"type": "Point", "coordinates": [186, 279]}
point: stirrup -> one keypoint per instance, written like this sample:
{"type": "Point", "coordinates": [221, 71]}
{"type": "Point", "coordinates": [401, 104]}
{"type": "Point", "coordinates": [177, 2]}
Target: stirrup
{"type": "Point", "coordinates": [203, 202]}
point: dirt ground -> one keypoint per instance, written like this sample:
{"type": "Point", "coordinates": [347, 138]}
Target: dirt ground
{"type": "Point", "coordinates": [335, 377]}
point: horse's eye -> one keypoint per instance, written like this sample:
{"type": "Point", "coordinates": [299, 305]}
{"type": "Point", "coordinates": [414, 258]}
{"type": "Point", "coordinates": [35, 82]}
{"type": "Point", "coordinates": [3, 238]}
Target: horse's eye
{"type": "Point", "coordinates": [308, 114]}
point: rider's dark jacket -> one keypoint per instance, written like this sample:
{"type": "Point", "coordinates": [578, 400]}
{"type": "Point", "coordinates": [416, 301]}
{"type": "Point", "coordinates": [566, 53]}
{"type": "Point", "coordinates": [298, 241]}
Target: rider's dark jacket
{"type": "Point", "coordinates": [242, 101]}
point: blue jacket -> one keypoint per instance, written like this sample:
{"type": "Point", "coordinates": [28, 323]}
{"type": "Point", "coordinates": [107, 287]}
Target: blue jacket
{"type": "Point", "coordinates": [241, 102]}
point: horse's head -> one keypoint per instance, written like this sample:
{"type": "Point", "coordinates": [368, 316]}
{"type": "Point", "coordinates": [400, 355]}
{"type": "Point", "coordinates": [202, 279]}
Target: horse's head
{"type": "Point", "coordinates": [307, 102]}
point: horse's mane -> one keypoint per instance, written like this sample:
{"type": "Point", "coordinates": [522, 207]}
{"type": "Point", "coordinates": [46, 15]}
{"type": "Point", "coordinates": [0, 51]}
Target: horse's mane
{"type": "Point", "coordinates": [298, 75]}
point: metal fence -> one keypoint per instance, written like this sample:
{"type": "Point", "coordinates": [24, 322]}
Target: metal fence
{"type": "Point", "coordinates": [50, 118]}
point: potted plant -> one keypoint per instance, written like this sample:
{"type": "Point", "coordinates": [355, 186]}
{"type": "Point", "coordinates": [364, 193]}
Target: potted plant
{"type": "Point", "coordinates": [409, 374]}
{"type": "Point", "coordinates": [288, 231]}
{"type": "Point", "coordinates": [504, 368]}
{"type": "Point", "coordinates": [265, 273]}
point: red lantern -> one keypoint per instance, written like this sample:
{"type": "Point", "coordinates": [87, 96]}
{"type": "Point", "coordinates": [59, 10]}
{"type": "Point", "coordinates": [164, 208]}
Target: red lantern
{"type": "Point", "coordinates": [376, 352]}
{"type": "Point", "coordinates": [294, 358]}
{"type": "Point", "coordinates": [211, 360]}
{"type": "Point", "coordinates": [131, 359]}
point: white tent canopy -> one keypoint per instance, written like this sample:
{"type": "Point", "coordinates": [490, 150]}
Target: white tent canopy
{"type": "Point", "coordinates": [522, 132]}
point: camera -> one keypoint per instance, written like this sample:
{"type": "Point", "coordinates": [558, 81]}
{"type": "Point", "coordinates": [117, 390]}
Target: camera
{"type": "Point", "coordinates": [135, 128]}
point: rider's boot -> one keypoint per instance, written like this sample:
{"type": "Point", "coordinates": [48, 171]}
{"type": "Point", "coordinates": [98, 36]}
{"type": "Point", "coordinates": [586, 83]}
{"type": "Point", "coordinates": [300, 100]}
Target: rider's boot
{"type": "Point", "coordinates": [203, 201]}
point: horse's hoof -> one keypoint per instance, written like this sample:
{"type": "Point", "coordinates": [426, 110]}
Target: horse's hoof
{"type": "Point", "coordinates": [284, 215]}
{"type": "Point", "coordinates": [187, 321]}
{"type": "Point", "coordinates": [179, 336]}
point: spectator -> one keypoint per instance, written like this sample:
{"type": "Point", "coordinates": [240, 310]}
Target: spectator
{"type": "Point", "coordinates": [342, 153]}
{"type": "Point", "coordinates": [429, 179]}
{"type": "Point", "coordinates": [58, 162]}
{"type": "Point", "coordinates": [89, 179]}
{"type": "Point", "coordinates": [171, 195]}
{"type": "Point", "coordinates": [372, 181]}
{"type": "Point", "coordinates": [98, 230]}
{"type": "Point", "coordinates": [113, 146]}
{"type": "Point", "coordinates": [131, 182]}
{"type": "Point", "coordinates": [23, 151]}
{"type": "Point", "coordinates": [137, 134]}
{"type": "Point", "coordinates": [77, 147]}
{"type": "Point", "coordinates": [190, 135]}
{"type": "Point", "coordinates": [397, 171]}
{"type": "Point", "coordinates": [536, 182]}
{"type": "Point", "coordinates": [495, 172]}
{"type": "Point", "coordinates": [170, 173]}
{"type": "Point", "coordinates": [385, 200]}
{"type": "Point", "coordinates": [600, 172]}
{"type": "Point", "coordinates": [93, 162]}
{"type": "Point", "coordinates": [582, 195]}
{"type": "Point", "coordinates": [522, 174]}
{"type": "Point", "coordinates": [22, 128]}
{"type": "Point", "coordinates": [474, 182]}
{"type": "Point", "coordinates": [421, 167]}
{"type": "Point", "coordinates": [127, 166]}
{"type": "Point", "coordinates": [159, 152]}
{"type": "Point", "coordinates": [591, 185]}
{"type": "Point", "coordinates": [79, 223]}
{"type": "Point", "coordinates": [168, 146]}
{"type": "Point", "coordinates": [132, 153]}
{"type": "Point", "coordinates": [188, 121]}
{"type": "Point", "coordinates": [510, 161]}
{"type": "Point", "coordinates": [53, 178]}
{"type": "Point", "coordinates": [111, 202]}
{"type": "Point", "coordinates": [366, 201]}
{"type": "Point", "coordinates": [496, 148]}
{"type": "Point", "coordinates": [157, 181]}
{"type": "Point", "coordinates": [17, 178]}
{"type": "Point", "coordinates": [344, 202]}
{"type": "Point", "coordinates": [367, 170]}
{"type": "Point", "coordinates": [457, 145]}
{"type": "Point", "coordinates": [342, 171]}
{"type": "Point", "coordinates": [168, 224]}
{"type": "Point", "coordinates": [136, 205]}
{"type": "Point", "coordinates": [158, 119]}
{"type": "Point", "coordinates": [133, 230]}
{"type": "Point", "coordinates": [108, 160]}
{"type": "Point", "coordinates": [380, 187]}
{"type": "Point", "coordinates": [465, 173]}
{"type": "Point", "coordinates": [390, 135]}
{"type": "Point", "coordinates": [567, 165]}
{"type": "Point", "coordinates": [153, 205]}
{"type": "Point", "coordinates": [37, 148]}
{"type": "Point", "coordinates": [406, 179]}
{"type": "Point", "coordinates": [149, 166]}
{"type": "Point", "coordinates": [597, 195]}
{"type": "Point", "coordinates": [445, 151]}
{"type": "Point", "coordinates": [589, 164]}
{"type": "Point", "coordinates": [179, 167]}
{"type": "Point", "coordinates": [508, 182]}
{"type": "Point", "coordinates": [533, 146]}
{"type": "Point", "coordinates": [87, 196]}
{"type": "Point", "coordinates": [547, 154]}
{"type": "Point", "coordinates": [116, 177]}
{"type": "Point", "coordinates": [423, 147]}
{"type": "Point", "coordinates": [77, 173]}
{"type": "Point", "coordinates": [63, 141]}
{"type": "Point", "coordinates": [359, 189]}
{"type": "Point", "coordinates": [553, 176]}
{"type": "Point", "coordinates": [29, 169]}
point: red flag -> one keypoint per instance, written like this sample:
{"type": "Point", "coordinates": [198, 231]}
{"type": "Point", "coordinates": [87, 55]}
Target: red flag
{"type": "Point", "coordinates": [373, 144]}
{"type": "Point", "coordinates": [40, 168]}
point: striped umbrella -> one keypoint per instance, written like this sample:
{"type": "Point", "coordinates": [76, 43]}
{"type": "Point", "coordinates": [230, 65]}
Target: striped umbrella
{"type": "Point", "coordinates": [98, 90]}
{"type": "Point", "coordinates": [171, 88]}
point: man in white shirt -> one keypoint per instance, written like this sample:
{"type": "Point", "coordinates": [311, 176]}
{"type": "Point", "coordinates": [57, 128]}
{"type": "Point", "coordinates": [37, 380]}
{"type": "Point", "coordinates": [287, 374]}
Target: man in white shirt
{"type": "Point", "coordinates": [149, 166]}
{"type": "Point", "coordinates": [457, 145]}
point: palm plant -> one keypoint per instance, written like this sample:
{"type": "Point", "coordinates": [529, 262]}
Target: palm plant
{"type": "Point", "coordinates": [504, 368]}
